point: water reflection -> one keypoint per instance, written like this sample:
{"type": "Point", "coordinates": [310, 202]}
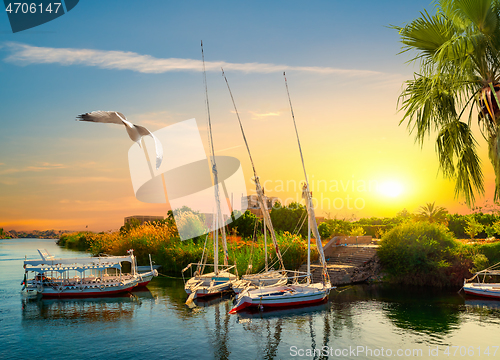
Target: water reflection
{"type": "Point", "coordinates": [89, 310]}
{"type": "Point", "coordinates": [487, 310]}
{"type": "Point", "coordinates": [158, 324]}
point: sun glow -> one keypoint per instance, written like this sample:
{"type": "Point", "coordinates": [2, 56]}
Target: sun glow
{"type": "Point", "coordinates": [390, 189]}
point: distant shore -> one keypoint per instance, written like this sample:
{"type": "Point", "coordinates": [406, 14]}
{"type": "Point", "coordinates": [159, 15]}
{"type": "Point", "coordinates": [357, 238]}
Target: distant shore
{"type": "Point", "coordinates": [35, 234]}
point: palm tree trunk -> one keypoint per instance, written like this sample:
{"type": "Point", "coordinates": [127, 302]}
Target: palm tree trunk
{"type": "Point", "coordinates": [494, 155]}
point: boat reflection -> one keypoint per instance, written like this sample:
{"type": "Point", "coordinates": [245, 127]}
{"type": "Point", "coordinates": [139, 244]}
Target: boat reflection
{"type": "Point", "coordinates": [210, 301]}
{"type": "Point", "coordinates": [314, 322]}
{"type": "Point", "coordinates": [102, 309]}
{"type": "Point", "coordinates": [488, 310]}
{"type": "Point", "coordinates": [289, 312]}
{"type": "Point", "coordinates": [490, 304]}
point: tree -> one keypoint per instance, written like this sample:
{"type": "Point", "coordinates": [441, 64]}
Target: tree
{"type": "Point", "coordinates": [473, 227]}
{"type": "Point", "coordinates": [245, 224]}
{"type": "Point", "coordinates": [432, 213]}
{"type": "Point", "coordinates": [357, 231]}
{"type": "Point", "coordinates": [291, 218]}
{"type": "Point", "coordinates": [459, 53]}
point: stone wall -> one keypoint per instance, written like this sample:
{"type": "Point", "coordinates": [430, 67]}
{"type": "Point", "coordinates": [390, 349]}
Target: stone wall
{"type": "Point", "coordinates": [345, 240]}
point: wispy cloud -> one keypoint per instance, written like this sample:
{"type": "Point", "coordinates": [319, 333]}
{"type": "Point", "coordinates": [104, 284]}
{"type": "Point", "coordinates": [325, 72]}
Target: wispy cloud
{"type": "Point", "coordinates": [37, 168]}
{"type": "Point", "coordinates": [256, 115]}
{"type": "Point", "coordinates": [229, 148]}
{"type": "Point", "coordinates": [24, 54]}
{"type": "Point", "coordinates": [157, 119]}
{"type": "Point", "coordinates": [79, 180]}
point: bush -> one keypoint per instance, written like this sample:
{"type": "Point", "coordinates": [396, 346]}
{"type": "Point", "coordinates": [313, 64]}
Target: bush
{"type": "Point", "coordinates": [161, 240]}
{"type": "Point", "coordinates": [291, 218]}
{"type": "Point", "coordinates": [422, 253]}
{"type": "Point", "coordinates": [76, 240]}
{"type": "Point", "coordinates": [245, 224]}
{"type": "Point", "coordinates": [480, 262]}
{"type": "Point", "coordinates": [473, 227]}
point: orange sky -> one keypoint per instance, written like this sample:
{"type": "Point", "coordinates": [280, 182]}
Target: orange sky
{"type": "Point", "coordinates": [62, 174]}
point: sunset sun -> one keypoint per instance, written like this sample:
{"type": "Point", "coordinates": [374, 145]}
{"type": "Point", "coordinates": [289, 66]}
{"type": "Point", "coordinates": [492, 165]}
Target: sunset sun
{"type": "Point", "coordinates": [390, 188]}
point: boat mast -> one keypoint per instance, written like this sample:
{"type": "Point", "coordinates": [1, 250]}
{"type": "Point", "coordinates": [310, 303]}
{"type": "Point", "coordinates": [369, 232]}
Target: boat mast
{"type": "Point", "coordinates": [307, 195]}
{"type": "Point", "coordinates": [265, 243]}
{"type": "Point", "coordinates": [308, 250]}
{"type": "Point", "coordinates": [219, 218]}
{"type": "Point", "coordinates": [258, 187]}
{"type": "Point", "coordinates": [216, 245]}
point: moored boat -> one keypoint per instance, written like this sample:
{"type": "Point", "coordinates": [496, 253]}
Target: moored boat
{"type": "Point", "coordinates": [203, 284]}
{"type": "Point", "coordinates": [264, 279]}
{"type": "Point", "coordinates": [295, 294]}
{"type": "Point", "coordinates": [81, 277]}
{"type": "Point", "coordinates": [209, 284]}
{"type": "Point", "coordinates": [481, 287]}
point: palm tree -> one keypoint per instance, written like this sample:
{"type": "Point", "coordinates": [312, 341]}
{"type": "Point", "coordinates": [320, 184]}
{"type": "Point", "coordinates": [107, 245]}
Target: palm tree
{"type": "Point", "coordinates": [432, 213]}
{"type": "Point", "coordinates": [459, 53]}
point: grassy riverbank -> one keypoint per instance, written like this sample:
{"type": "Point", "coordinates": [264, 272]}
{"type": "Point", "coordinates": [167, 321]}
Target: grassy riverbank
{"type": "Point", "coordinates": [423, 253]}
{"type": "Point", "coordinates": [167, 250]}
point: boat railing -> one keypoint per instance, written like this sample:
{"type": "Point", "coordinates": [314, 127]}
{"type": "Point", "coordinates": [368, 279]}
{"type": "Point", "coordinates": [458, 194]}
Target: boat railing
{"type": "Point", "coordinates": [198, 266]}
{"type": "Point", "coordinates": [298, 275]}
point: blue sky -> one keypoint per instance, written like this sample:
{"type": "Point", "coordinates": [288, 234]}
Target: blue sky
{"type": "Point", "coordinates": [143, 58]}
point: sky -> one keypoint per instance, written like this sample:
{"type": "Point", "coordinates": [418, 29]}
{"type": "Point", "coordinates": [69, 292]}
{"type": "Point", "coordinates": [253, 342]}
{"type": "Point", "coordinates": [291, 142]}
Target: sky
{"type": "Point", "coordinates": [143, 59]}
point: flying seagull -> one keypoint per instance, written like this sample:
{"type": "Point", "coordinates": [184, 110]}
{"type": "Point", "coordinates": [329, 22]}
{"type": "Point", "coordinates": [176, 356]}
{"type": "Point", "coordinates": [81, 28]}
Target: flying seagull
{"type": "Point", "coordinates": [136, 132]}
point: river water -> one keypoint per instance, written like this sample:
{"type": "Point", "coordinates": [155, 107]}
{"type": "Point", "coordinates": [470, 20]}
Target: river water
{"type": "Point", "coordinates": [357, 322]}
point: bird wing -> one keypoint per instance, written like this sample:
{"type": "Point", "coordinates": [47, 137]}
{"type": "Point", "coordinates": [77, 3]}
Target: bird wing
{"type": "Point", "coordinates": [135, 132]}
{"type": "Point", "coordinates": [110, 117]}
{"type": "Point", "coordinates": [158, 147]}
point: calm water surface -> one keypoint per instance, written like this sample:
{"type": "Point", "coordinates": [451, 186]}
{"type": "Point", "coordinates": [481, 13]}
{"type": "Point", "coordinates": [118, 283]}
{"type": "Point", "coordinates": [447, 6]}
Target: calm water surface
{"type": "Point", "coordinates": [156, 324]}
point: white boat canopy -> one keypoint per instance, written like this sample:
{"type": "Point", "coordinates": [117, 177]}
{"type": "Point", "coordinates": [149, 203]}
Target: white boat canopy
{"type": "Point", "coordinates": [81, 269]}
{"type": "Point", "coordinates": [80, 261]}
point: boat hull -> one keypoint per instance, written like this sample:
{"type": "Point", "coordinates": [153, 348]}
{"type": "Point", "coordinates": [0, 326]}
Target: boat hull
{"type": "Point", "coordinates": [49, 292]}
{"type": "Point", "coordinates": [145, 278]}
{"type": "Point", "coordinates": [283, 296]}
{"type": "Point", "coordinates": [491, 291]}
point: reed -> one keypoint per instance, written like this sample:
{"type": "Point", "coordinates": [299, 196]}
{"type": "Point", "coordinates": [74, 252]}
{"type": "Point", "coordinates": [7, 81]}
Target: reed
{"type": "Point", "coordinates": [161, 240]}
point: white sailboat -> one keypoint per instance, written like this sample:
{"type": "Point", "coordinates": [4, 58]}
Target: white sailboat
{"type": "Point", "coordinates": [482, 288]}
{"type": "Point", "coordinates": [295, 294]}
{"type": "Point", "coordinates": [269, 277]}
{"type": "Point", "coordinates": [220, 280]}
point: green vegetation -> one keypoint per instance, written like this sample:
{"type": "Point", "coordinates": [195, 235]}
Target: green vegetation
{"type": "Point", "coordinates": [161, 240]}
{"type": "Point", "coordinates": [4, 235]}
{"type": "Point", "coordinates": [457, 49]}
{"type": "Point", "coordinates": [473, 227]}
{"type": "Point", "coordinates": [245, 224]}
{"type": "Point", "coordinates": [417, 249]}
{"type": "Point", "coordinates": [292, 218]}
{"type": "Point", "coordinates": [75, 240]}
{"type": "Point", "coordinates": [423, 253]}
{"type": "Point", "coordinates": [432, 213]}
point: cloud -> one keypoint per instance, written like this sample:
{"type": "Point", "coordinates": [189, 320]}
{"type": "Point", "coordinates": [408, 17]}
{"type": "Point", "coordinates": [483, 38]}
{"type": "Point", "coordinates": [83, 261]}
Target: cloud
{"type": "Point", "coordinates": [229, 148]}
{"type": "Point", "coordinates": [78, 180]}
{"type": "Point", "coordinates": [264, 115]}
{"type": "Point", "coordinates": [157, 119]}
{"type": "Point", "coordinates": [41, 167]}
{"type": "Point", "coordinates": [24, 54]}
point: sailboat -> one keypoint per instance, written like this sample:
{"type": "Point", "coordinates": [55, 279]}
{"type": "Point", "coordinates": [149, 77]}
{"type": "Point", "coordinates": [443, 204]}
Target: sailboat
{"type": "Point", "coordinates": [295, 294]}
{"type": "Point", "coordinates": [481, 287]}
{"type": "Point", "coordinates": [269, 277]}
{"type": "Point", "coordinates": [220, 280]}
